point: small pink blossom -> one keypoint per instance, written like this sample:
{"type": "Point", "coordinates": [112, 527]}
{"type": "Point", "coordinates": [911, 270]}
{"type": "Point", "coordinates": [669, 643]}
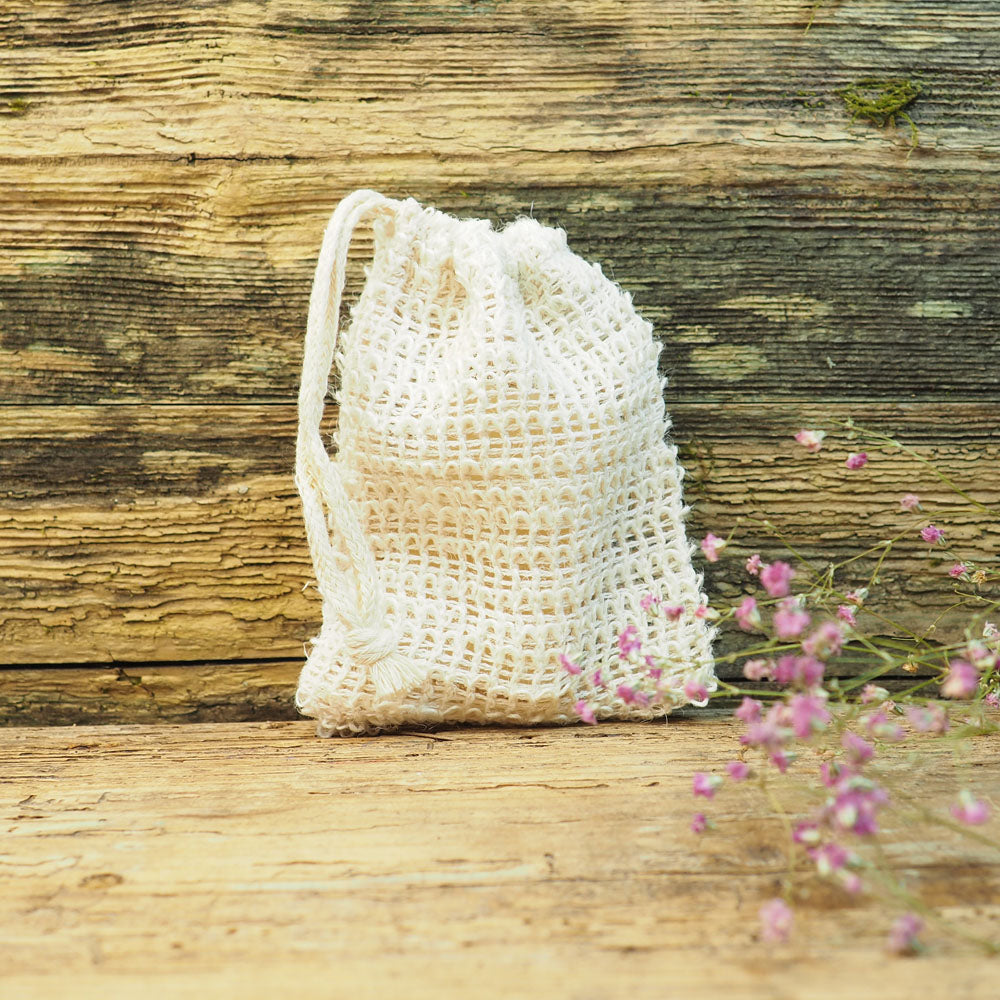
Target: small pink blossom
{"type": "Point", "coordinates": [775, 921]}
{"type": "Point", "coordinates": [655, 672]}
{"type": "Point", "coordinates": [673, 611]}
{"type": "Point", "coordinates": [699, 824]}
{"type": "Point", "coordinates": [851, 882]}
{"type": "Point", "coordinates": [695, 691]}
{"type": "Point", "coordinates": [881, 727]}
{"type": "Point", "coordinates": [856, 460]}
{"type": "Point", "coordinates": [959, 569]}
{"type": "Point", "coordinates": [808, 714]}
{"type": "Point", "coordinates": [980, 655]}
{"type": "Point", "coordinates": [810, 440]}
{"type": "Point", "coordinates": [873, 694]}
{"type": "Point", "coordinates": [749, 710]}
{"type": "Point", "coordinates": [993, 699]}
{"type": "Point", "coordinates": [781, 759]}
{"type": "Point", "coordinates": [845, 614]}
{"type": "Point", "coordinates": [829, 858]}
{"type": "Point", "coordinates": [629, 642]}
{"type": "Point", "coordinates": [758, 670]}
{"type": "Point", "coordinates": [586, 712]}
{"type": "Point", "coordinates": [712, 546]}
{"type": "Point", "coordinates": [631, 696]}
{"type": "Point", "coordinates": [932, 535]}
{"type": "Point", "coordinates": [806, 833]}
{"type": "Point", "coordinates": [804, 671]}
{"type": "Point", "coordinates": [857, 597]}
{"type": "Point", "coordinates": [962, 680]}
{"type": "Point", "coordinates": [910, 502]}
{"type": "Point", "coordinates": [858, 750]}
{"type": "Point", "coordinates": [831, 772]}
{"type": "Point", "coordinates": [790, 621]}
{"type": "Point", "coordinates": [598, 679]}
{"type": "Point", "coordinates": [705, 784]}
{"type": "Point", "coordinates": [855, 807]}
{"type": "Point", "coordinates": [648, 601]}
{"type": "Point", "coordinates": [568, 665]}
{"type": "Point", "coordinates": [826, 641]}
{"type": "Point", "coordinates": [990, 631]}
{"type": "Point", "coordinates": [748, 615]}
{"type": "Point", "coordinates": [903, 938]}
{"type": "Point", "coordinates": [776, 578]}
{"type": "Point", "coordinates": [738, 770]}
{"type": "Point", "coordinates": [932, 719]}
{"type": "Point", "coordinates": [704, 611]}
{"type": "Point", "coordinates": [970, 810]}
{"type": "Point", "coordinates": [754, 564]}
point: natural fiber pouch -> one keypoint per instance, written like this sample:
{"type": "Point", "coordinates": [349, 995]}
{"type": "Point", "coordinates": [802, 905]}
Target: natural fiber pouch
{"type": "Point", "coordinates": [502, 491]}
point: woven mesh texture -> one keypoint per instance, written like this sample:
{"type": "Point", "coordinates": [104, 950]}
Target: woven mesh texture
{"type": "Point", "coordinates": [502, 490]}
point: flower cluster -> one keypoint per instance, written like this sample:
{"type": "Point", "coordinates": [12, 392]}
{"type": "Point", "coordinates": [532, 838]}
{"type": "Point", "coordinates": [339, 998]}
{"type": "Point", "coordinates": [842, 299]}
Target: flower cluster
{"type": "Point", "coordinates": [836, 737]}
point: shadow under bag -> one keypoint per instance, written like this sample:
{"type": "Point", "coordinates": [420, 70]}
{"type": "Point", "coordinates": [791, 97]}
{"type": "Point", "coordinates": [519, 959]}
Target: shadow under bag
{"type": "Point", "coordinates": [502, 490]}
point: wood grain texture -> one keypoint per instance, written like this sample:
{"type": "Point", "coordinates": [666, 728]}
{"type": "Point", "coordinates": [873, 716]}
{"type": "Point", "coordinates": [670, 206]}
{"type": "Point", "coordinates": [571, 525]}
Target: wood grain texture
{"type": "Point", "coordinates": [174, 533]}
{"type": "Point", "coordinates": [233, 860]}
{"type": "Point", "coordinates": [166, 175]}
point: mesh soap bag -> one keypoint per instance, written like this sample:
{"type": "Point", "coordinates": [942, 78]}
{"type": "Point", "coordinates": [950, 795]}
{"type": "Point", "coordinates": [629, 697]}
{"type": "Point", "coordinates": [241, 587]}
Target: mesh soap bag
{"type": "Point", "coordinates": [502, 490]}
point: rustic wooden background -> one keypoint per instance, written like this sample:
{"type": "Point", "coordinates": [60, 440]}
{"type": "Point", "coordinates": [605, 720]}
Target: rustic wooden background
{"type": "Point", "coordinates": [166, 171]}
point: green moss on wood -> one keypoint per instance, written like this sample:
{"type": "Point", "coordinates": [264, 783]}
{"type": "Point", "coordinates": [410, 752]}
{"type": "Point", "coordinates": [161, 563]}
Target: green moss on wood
{"type": "Point", "coordinates": [880, 100]}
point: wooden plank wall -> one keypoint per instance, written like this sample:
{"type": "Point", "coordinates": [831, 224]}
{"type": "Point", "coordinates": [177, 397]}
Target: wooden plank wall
{"type": "Point", "coordinates": [166, 171]}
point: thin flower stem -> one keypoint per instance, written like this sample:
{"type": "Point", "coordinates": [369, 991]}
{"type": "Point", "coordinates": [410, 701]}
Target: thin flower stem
{"type": "Point", "coordinates": [892, 442]}
{"type": "Point", "coordinates": [786, 822]}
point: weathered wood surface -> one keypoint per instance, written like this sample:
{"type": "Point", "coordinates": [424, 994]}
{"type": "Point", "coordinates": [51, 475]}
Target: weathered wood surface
{"type": "Point", "coordinates": [174, 533]}
{"type": "Point", "coordinates": [233, 860]}
{"type": "Point", "coordinates": [166, 172]}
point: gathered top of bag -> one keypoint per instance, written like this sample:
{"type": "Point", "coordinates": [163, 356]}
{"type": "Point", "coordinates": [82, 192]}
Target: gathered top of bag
{"type": "Point", "coordinates": [502, 491]}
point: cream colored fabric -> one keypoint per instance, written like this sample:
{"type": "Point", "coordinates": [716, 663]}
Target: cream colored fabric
{"type": "Point", "coordinates": [502, 491]}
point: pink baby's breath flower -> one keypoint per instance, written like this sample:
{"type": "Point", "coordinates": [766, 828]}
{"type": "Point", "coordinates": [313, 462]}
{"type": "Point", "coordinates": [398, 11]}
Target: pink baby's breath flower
{"type": "Point", "coordinates": [648, 601]}
{"type": "Point", "coordinates": [831, 772]}
{"type": "Point", "coordinates": [826, 641]}
{"type": "Point", "coordinates": [754, 564]}
{"type": "Point", "coordinates": [932, 535]}
{"type": "Point", "coordinates": [695, 691]}
{"type": "Point", "coordinates": [598, 679]}
{"type": "Point", "coordinates": [990, 631]}
{"type": "Point", "coordinates": [931, 719]}
{"type": "Point", "coordinates": [790, 621]}
{"type": "Point", "coordinates": [705, 784]}
{"type": "Point", "coordinates": [673, 611]}
{"type": "Point", "coordinates": [808, 714]}
{"type": "Point", "coordinates": [856, 460]}
{"type": "Point", "coordinates": [959, 569]}
{"type": "Point", "coordinates": [776, 577]}
{"type": "Point", "coordinates": [856, 805]}
{"type": "Point", "coordinates": [806, 833]}
{"type": "Point", "coordinates": [748, 615]}
{"type": "Point", "coordinates": [970, 810]}
{"type": "Point", "coordinates": [993, 699]}
{"type": "Point", "coordinates": [810, 440]}
{"type": "Point", "coordinates": [857, 597]}
{"type": "Point", "coordinates": [910, 502]}
{"type": "Point", "coordinates": [758, 670]}
{"type": "Point", "coordinates": [749, 710]}
{"type": "Point", "coordinates": [851, 882]}
{"type": "Point", "coordinates": [738, 770]}
{"type": "Point", "coordinates": [568, 665]}
{"type": "Point", "coordinates": [858, 750]}
{"type": "Point", "coordinates": [845, 614]}
{"type": "Point", "coordinates": [775, 921]}
{"type": "Point", "coordinates": [704, 611]}
{"type": "Point", "coordinates": [712, 545]}
{"type": "Point", "coordinates": [804, 671]}
{"type": "Point", "coordinates": [879, 726]}
{"type": "Point", "coordinates": [962, 680]}
{"type": "Point", "coordinates": [629, 694]}
{"type": "Point", "coordinates": [873, 694]}
{"type": "Point", "coordinates": [830, 858]}
{"type": "Point", "coordinates": [655, 672]}
{"type": "Point", "coordinates": [903, 938]}
{"type": "Point", "coordinates": [586, 712]}
{"type": "Point", "coordinates": [629, 642]}
{"type": "Point", "coordinates": [980, 655]}
{"type": "Point", "coordinates": [781, 759]}
{"type": "Point", "coordinates": [699, 824]}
